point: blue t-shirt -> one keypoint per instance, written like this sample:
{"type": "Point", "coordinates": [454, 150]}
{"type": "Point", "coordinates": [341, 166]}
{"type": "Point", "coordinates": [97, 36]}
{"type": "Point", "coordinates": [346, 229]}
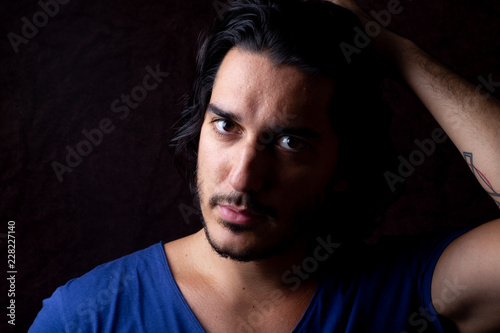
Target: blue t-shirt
{"type": "Point", "coordinates": [369, 288]}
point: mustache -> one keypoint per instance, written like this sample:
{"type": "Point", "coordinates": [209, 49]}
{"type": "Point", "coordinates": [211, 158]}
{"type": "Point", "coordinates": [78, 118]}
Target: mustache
{"type": "Point", "coordinates": [239, 199]}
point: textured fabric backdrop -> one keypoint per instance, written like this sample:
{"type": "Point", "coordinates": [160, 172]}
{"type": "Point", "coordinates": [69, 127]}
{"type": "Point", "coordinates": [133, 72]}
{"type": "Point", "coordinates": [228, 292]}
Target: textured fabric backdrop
{"type": "Point", "coordinates": [67, 78]}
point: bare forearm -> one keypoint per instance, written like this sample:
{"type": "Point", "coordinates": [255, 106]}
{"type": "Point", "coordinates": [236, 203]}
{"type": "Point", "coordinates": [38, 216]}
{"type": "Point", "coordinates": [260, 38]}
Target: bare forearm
{"type": "Point", "coordinates": [469, 116]}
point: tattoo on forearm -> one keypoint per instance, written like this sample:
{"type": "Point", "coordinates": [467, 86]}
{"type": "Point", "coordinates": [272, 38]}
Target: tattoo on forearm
{"type": "Point", "coordinates": [482, 178]}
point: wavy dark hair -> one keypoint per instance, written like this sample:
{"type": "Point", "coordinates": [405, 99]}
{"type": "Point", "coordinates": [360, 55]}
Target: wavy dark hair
{"type": "Point", "coordinates": [308, 35]}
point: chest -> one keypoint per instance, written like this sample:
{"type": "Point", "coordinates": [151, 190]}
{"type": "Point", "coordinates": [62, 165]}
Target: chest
{"type": "Point", "coordinates": [276, 311]}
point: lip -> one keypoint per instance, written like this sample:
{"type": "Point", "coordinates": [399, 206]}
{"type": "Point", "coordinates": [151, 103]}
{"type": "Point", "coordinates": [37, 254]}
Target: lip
{"type": "Point", "coordinates": [238, 215]}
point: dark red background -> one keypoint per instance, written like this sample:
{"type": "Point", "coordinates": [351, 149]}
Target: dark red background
{"type": "Point", "coordinates": [126, 194]}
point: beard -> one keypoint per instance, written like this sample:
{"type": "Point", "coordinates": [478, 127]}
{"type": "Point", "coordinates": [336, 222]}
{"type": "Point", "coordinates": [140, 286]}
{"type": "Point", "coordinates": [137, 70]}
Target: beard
{"type": "Point", "coordinates": [301, 227]}
{"type": "Point", "coordinates": [249, 254]}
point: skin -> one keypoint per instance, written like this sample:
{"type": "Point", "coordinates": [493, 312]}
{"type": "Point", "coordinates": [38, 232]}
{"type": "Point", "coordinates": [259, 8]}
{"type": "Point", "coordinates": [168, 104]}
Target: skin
{"type": "Point", "coordinates": [297, 168]}
{"type": "Point", "coordinates": [275, 146]}
{"type": "Point", "coordinates": [221, 291]}
{"type": "Point", "coordinates": [466, 280]}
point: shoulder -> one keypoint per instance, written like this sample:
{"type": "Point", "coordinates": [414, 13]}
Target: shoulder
{"type": "Point", "coordinates": [365, 283]}
{"type": "Point", "coordinates": [117, 274]}
{"type": "Point", "coordinates": [111, 288]}
{"type": "Point", "coordinates": [465, 286]}
{"type": "Point", "coordinates": [413, 252]}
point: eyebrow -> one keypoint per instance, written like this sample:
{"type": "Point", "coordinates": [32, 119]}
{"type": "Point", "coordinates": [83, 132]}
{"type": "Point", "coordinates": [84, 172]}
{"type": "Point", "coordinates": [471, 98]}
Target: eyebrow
{"type": "Point", "coordinates": [295, 131]}
{"type": "Point", "coordinates": [224, 114]}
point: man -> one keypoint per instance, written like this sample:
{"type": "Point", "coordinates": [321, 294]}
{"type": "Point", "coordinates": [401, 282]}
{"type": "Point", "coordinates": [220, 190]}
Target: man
{"type": "Point", "coordinates": [266, 153]}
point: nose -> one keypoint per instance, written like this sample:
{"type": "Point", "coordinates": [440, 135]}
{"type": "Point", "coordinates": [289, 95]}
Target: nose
{"type": "Point", "coordinates": [248, 168]}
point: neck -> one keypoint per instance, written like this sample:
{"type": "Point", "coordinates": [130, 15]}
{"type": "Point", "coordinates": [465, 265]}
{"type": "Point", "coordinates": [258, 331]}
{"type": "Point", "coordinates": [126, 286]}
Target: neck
{"type": "Point", "coordinates": [282, 272]}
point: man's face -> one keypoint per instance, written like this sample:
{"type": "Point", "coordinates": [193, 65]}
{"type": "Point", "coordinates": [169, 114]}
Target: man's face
{"type": "Point", "coordinates": [267, 152]}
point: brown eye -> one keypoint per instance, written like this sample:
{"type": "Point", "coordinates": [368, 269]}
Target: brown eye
{"type": "Point", "coordinates": [224, 126]}
{"type": "Point", "coordinates": [290, 143]}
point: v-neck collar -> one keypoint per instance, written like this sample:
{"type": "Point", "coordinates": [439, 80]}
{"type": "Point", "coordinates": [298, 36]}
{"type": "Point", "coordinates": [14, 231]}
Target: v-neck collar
{"type": "Point", "coordinates": [305, 316]}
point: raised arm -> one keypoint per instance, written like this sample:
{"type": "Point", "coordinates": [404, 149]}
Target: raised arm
{"type": "Point", "coordinates": [469, 115]}
{"type": "Point", "coordinates": [471, 118]}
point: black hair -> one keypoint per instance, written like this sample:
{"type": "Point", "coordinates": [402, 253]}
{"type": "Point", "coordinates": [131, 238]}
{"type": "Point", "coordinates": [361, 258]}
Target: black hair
{"type": "Point", "coordinates": [308, 35]}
